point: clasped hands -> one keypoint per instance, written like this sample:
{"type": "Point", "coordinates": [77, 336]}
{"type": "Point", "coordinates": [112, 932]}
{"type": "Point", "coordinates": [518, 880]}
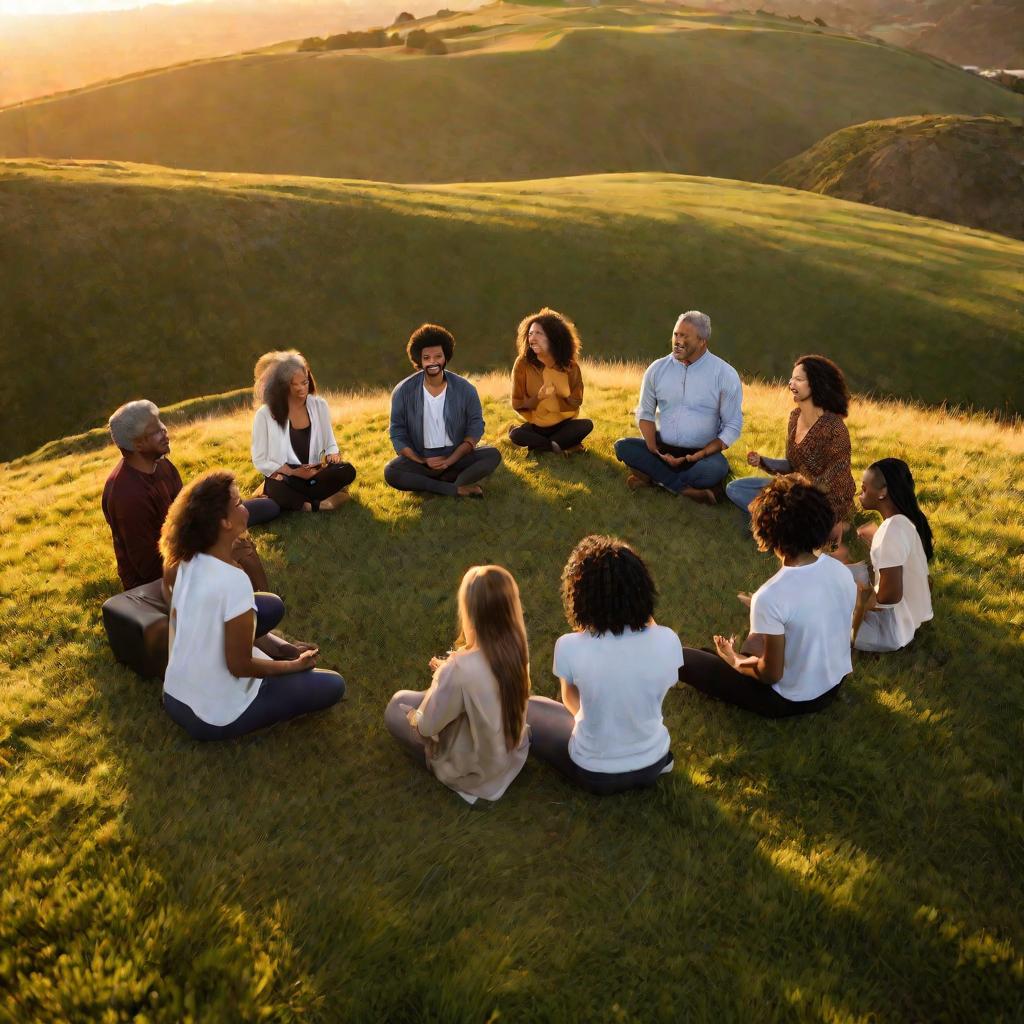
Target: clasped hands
{"type": "Point", "coordinates": [550, 391]}
{"type": "Point", "coordinates": [438, 462]}
{"type": "Point", "coordinates": [726, 645]}
{"type": "Point", "coordinates": [675, 461]}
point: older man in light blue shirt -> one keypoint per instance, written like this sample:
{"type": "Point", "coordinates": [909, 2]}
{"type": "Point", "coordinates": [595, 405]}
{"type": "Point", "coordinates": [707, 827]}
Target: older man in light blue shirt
{"type": "Point", "coordinates": [690, 411]}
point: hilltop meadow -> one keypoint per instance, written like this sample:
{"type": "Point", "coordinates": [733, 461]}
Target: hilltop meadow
{"type": "Point", "coordinates": [862, 865]}
{"type": "Point", "coordinates": [525, 91]}
{"type": "Point", "coordinates": [121, 281]}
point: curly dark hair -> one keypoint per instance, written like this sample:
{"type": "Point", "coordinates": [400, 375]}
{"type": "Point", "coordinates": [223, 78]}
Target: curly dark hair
{"type": "Point", "coordinates": [563, 338]}
{"type": "Point", "coordinates": [606, 587]}
{"type": "Point", "coordinates": [791, 516]}
{"type": "Point", "coordinates": [427, 336]}
{"type": "Point", "coordinates": [827, 384]}
{"type": "Point", "coordinates": [193, 520]}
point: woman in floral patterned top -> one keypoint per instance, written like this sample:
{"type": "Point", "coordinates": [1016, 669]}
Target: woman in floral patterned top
{"type": "Point", "coordinates": [817, 441]}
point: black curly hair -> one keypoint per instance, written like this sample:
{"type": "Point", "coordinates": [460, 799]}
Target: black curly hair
{"type": "Point", "coordinates": [427, 336]}
{"type": "Point", "coordinates": [791, 516]}
{"type": "Point", "coordinates": [827, 384]}
{"type": "Point", "coordinates": [563, 338]}
{"type": "Point", "coordinates": [606, 587]}
{"type": "Point", "coordinates": [193, 521]}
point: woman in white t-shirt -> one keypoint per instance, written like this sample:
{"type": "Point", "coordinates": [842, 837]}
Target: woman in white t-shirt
{"type": "Point", "coordinates": [469, 728]}
{"type": "Point", "coordinates": [889, 612]}
{"type": "Point", "coordinates": [607, 733]}
{"type": "Point", "coordinates": [217, 685]}
{"type": "Point", "coordinates": [798, 650]}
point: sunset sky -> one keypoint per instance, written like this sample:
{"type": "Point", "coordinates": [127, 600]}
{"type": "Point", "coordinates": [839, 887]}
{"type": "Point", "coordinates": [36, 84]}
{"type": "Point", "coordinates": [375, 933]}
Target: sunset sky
{"type": "Point", "coordinates": [72, 6]}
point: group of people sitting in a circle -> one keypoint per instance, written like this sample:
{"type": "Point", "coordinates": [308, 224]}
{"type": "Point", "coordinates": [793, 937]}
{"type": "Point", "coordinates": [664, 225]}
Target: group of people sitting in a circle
{"type": "Point", "coordinates": [228, 673]}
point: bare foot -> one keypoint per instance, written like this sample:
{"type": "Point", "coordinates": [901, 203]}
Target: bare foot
{"type": "Point", "coordinates": [334, 501]}
{"type": "Point", "coordinates": [471, 491]}
{"type": "Point", "coordinates": [637, 480]}
{"type": "Point", "coordinates": [701, 495]}
{"type": "Point", "coordinates": [574, 449]}
{"type": "Point", "coordinates": [288, 651]}
{"type": "Point", "coordinates": [307, 507]}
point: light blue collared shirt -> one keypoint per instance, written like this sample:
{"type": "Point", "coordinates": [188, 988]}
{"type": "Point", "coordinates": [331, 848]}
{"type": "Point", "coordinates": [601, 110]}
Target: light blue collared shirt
{"type": "Point", "coordinates": [692, 405]}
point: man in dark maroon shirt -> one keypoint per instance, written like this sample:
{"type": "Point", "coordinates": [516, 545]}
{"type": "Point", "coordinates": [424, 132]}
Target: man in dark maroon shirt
{"type": "Point", "coordinates": [139, 491]}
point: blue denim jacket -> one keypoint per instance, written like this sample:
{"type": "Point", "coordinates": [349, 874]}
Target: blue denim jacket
{"type": "Point", "coordinates": [463, 417]}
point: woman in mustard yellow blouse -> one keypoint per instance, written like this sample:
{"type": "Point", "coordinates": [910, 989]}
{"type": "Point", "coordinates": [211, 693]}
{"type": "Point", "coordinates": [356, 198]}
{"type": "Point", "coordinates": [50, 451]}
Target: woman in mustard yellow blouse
{"type": "Point", "coordinates": [547, 388]}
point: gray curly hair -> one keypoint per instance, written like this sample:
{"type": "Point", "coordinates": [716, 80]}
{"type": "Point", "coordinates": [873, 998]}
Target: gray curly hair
{"type": "Point", "coordinates": [128, 422]}
{"type": "Point", "coordinates": [275, 368]}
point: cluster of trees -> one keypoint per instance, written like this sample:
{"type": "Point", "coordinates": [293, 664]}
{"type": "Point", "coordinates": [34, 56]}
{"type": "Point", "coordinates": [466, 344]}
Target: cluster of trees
{"type": "Point", "coordinates": [416, 39]}
{"type": "Point", "coordinates": [370, 38]}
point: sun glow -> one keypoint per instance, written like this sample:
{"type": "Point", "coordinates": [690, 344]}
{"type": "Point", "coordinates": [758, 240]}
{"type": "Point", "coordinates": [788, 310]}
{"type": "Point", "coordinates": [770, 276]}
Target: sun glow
{"type": "Point", "coordinates": [28, 7]}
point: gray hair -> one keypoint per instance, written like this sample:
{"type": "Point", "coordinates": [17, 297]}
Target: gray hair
{"type": "Point", "coordinates": [129, 422]}
{"type": "Point", "coordinates": [276, 368]}
{"type": "Point", "coordinates": [699, 320]}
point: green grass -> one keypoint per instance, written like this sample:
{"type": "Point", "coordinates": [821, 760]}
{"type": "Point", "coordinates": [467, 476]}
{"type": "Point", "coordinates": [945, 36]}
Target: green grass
{"type": "Point", "coordinates": [182, 279]}
{"type": "Point", "coordinates": [654, 89]}
{"type": "Point", "coordinates": [862, 865]}
{"type": "Point", "coordinates": [965, 170]}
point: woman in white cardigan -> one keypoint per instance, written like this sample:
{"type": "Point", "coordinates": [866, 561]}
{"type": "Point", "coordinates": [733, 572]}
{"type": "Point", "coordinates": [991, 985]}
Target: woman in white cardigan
{"type": "Point", "coordinates": [293, 443]}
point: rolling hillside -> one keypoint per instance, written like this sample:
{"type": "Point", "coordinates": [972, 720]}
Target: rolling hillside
{"type": "Point", "coordinates": [864, 864]}
{"type": "Point", "coordinates": [966, 170]}
{"type": "Point", "coordinates": [527, 92]}
{"type": "Point", "coordinates": [127, 280]}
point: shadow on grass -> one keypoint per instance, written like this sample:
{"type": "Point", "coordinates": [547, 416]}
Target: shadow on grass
{"type": "Point", "coordinates": [861, 862]}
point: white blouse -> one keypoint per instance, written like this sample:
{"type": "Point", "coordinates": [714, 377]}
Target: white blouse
{"type": "Point", "coordinates": [271, 443]}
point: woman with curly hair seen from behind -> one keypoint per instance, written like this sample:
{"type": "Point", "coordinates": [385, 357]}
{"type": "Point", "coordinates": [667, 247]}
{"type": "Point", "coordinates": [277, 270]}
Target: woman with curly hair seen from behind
{"type": "Point", "coordinates": [293, 442]}
{"type": "Point", "coordinates": [817, 442]}
{"type": "Point", "coordinates": [607, 733]}
{"type": "Point", "coordinates": [798, 650]}
{"type": "Point", "coordinates": [217, 685]}
{"type": "Point", "coordinates": [547, 387]}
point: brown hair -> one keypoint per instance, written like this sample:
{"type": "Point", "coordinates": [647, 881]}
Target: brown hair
{"type": "Point", "coordinates": [272, 377]}
{"type": "Point", "coordinates": [791, 516]}
{"type": "Point", "coordinates": [827, 384]}
{"type": "Point", "coordinates": [563, 338]}
{"type": "Point", "coordinates": [491, 616]}
{"type": "Point", "coordinates": [193, 521]}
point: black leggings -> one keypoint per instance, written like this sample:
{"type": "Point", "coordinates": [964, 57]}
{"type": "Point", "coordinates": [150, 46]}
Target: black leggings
{"type": "Point", "coordinates": [551, 724]}
{"type": "Point", "coordinates": [566, 434]}
{"type": "Point", "coordinates": [279, 699]}
{"type": "Point", "coordinates": [293, 492]}
{"type": "Point", "coordinates": [712, 676]}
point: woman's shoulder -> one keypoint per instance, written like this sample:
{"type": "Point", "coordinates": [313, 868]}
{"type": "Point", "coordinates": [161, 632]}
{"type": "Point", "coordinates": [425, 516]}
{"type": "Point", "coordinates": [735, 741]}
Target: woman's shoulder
{"type": "Point", "coordinates": [463, 667]}
{"type": "Point", "coordinates": [318, 402]}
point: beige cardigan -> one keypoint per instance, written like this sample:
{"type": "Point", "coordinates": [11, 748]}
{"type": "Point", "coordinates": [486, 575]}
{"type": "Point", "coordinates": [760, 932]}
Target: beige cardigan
{"type": "Point", "coordinates": [461, 715]}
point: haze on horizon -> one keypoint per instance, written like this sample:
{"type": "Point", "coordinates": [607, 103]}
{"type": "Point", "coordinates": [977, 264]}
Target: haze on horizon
{"type": "Point", "coordinates": [34, 7]}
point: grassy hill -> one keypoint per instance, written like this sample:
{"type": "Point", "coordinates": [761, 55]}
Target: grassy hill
{"type": "Point", "coordinates": [528, 92]}
{"type": "Point", "coordinates": [181, 280]}
{"type": "Point", "coordinates": [862, 865]}
{"type": "Point", "coordinates": [967, 170]}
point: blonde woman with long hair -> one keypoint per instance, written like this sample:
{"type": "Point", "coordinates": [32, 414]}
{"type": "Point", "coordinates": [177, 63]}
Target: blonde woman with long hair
{"type": "Point", "coordinates": [470, 725]}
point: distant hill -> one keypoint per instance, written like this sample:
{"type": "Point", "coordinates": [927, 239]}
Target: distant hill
{"type": "Point", "coordinates": [967, 170]}
{"type": "Point", "coordinates": [122, 281]}
{"type": "Point", "coordinates": [43, 54]}
{"type": "Point", "coordinates": [525, 92]}
{"type": "Point", "coordinates": [989, 33]}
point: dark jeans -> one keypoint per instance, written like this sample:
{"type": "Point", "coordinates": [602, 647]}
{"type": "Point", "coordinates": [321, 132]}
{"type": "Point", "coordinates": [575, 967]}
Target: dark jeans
{"type": "Point", "coordinates": [712, 676]}
{"type": "Point", "coordinates": [706, 473]}
{"type": "Point", "coordinates": [551, 724]}
{"type": "Point", "coordinates": [280, 698]}
{"type": "Point", "coordinates": [262, 510]}
{"type": "Point", "coordinates": [293, 492]}
{"type": "Point", "coordinates": [566, 434]}
{"type": "Point", "coordinates": [269, 612]}
{"type": "Point", "coordinates": [405, 475]}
